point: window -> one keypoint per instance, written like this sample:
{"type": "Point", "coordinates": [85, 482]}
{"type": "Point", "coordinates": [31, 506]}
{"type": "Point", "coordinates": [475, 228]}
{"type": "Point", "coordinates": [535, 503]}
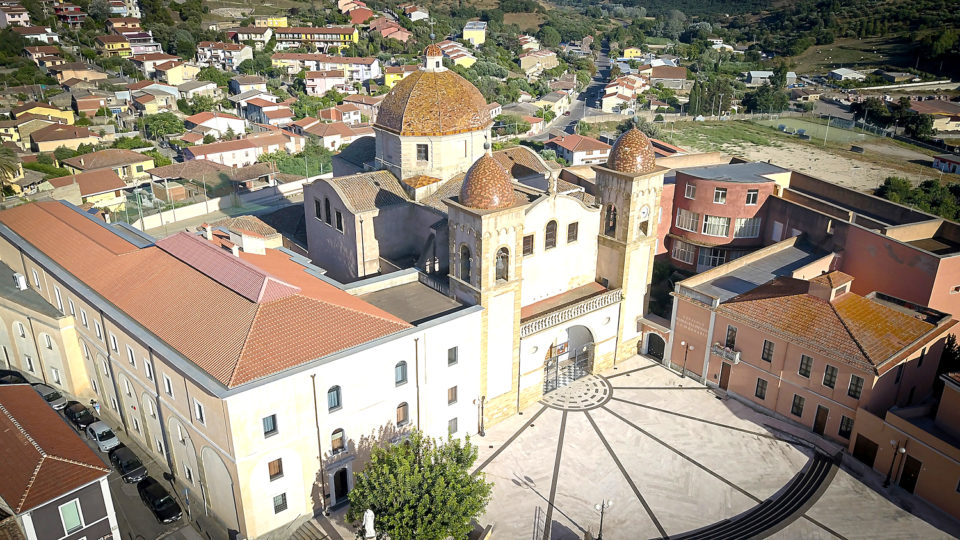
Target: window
{"type": "Point", "coordinates": [86, 351]}
{"type": "Point", "coordinates": [337, 441]}
{"type": "Point", "coordinates": [683, 251]}
{"type": "Point", "coordinates": [83, 318]}
{"type": "Point", "coordinates": [528, 244]}
{"type": "Point", "coordinates": [275, 469]}
{"type": "Point", "coordinates": [270, 425]}
{"type": "Point", "coordinates": [106, 369]}
{"type": "Point", "coordinates": [923, 352]}
{"type": "Point", "coordinates": [56, 292]}
{"type": "Point", "coordinates": [767, 354]}
{"type": "Point", "coordinates": [846, 427]}
{"type": "Point", "coordinates": [159, 446]}
{"type": "Point", "coordinates": [573, 230]}
{"type": "Point", "coordinates": [326, 209]}
{"type": "Point", "coordinates": [99, 330]}
{"type": "Point", "coordinates": [452, 354]}
{"type": "Point", "coordinates": [690, 191]}
{"type": "Point", "coordinates": [148, 367]}
{"type": "Point", "coordinates": [21, 330]}
{"type": "Point", "coordinates": [113, 343]}
{"type": "Point", "coordinates": [716, 226]}
{"type": "Point", "coordinates": [131, 356]}
{"type": "Point", "coordinates": [687, 220]}
{"type": "Point", "coordinates": [180, 436]}
{"type": "Point", "coordinates": [71, 516]}
{"type": "Point", "coordinates": [400, 373]}
{"type": "Point", "coordinates": [55, 375]}
{"type": "Point", "coordinates": [503, 264]}
{"type": "Point", "coordinates": [403, 414]}
{"type": "Point", "coordinates": [96, 389]}
{"type": "Point", "coordinates": [610, 221]}
{"type": "Point", "coordinates": [806, 365]}
{"type": "Point", "coordinates": [465, 263]}
{"type": "Point", "coordinates": [279, 503]}
{"type": "Point", "coordinates": [36, 279]}
{"type": "Point", "coordinates": [114, 404]}
{"type": "Point", "coordinates": [720, 195]}
{"type": "Point", "coordinates": [48, 341]}
{"type": "Point", "coordinates": [451, 395]}
{"type": "Point", "coordinates": [830, 377]}
{"type": "Point", "coordinates": [761, 391]}
{"type": "Point", "coordinates": [752, 196]}
{"type": "Point", "coordinates": [422, 153]}
{"type": "Point", "coordinates": [28, 361]}
{"type": "Point", "coordinates": [168, 386]}
{"type": "Point", "coordinates": [339, 221]}
{"type": "Point", "coordinates": [452, 426]}
{"type": "Point", "coordinates": [188, 472]}
{"type": "Point", "coordinates": [136, 425]}
{"type": "Point", "coordinates": [856, 386]}
{"type": "Point", "coordinates": [317, 209]}
{"type": "Point", "coordinates": [550, 235]}
{"type": "Point", "coordinates": [150, 408]}
{"type": "Point", "coordinates": [139, 168]}
{"type": "Point", "coordinates": [126, 388]}
{"type": "Point", "coordinates": [731, 340]}
{"type": "Point", "coordinates": [747, 228]}
{"type": "Point", "coordinates": [73, 308]}
{"type": "Point", "coordinates": [198, 412]}
{"type": "Point", "coordinates": [710, 257]}
{"type": "Point", "coordinates": [899, 374]}
{"type": "Point", "coordinates": [797, 408]}
{"type": "Point", "coordinates": [333, 399]}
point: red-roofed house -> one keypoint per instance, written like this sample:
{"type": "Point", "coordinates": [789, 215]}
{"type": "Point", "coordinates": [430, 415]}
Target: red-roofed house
{"type": "Point", "coordinates": [348, 113]}
{"type": "Point", "coordinates": [101, 188]}
{"type": "Point", "coordinates": [360, 15]}
{"type": "Point", "coordinates": [242, 152]}
{"type": "Point", "coordinates": [579, 150]}
{"type": "Point", "coordinates": [319, 83]}
{"type": "Point", "coordinates": [261, 111]}
{"type": "Point", "coordinates": [225, 56]}
{"type": "Point", "coordinates": [215, 123]}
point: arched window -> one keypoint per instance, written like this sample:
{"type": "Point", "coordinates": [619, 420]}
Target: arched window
{"type": "Point", "coordinates": [337, 442]}
{"type": "Point", "coordinates": [400, 373]}
{"type": "Point", "coordinates": [503, 264]}
{"type": "Point", "coordinates": [550, 235]}
{"type": "Point", "coordinates": [403, 414]}
{"type": "Point", "coordinates": [465, 263]}
{"type": "Point", "coordinates": [334, 400]}
{"type": "Point", "coordinates": [610, 222]}
{"type": "Point", "coordinates": [326, 209]}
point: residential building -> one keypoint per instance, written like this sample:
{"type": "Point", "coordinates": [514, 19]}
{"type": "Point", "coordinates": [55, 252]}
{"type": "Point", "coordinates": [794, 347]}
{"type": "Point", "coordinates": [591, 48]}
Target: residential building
{"type": "Point", "coordinates": [334, 135]}
{"type": "Point", "coordinates": [668, 76]}
{"type": "Point", "coordinates": [14, 15]}
{"type": "Point", "coordinates": [147, 63]}
{"type": "Point", "coordinates": [354, 68]}
{"type": "Point", "coordinates": [117, 25]}
{"type": "Point", "coordinates": [261, 111]}
{"type": "Point", "coordinates": [215, 123]}
{"type": "Point", "coordinates": [225, 56]}
{"type": "Point", "coordinates": [42, 109]}
{"type": "Point", "coordinates": [245, 83]}
{"type": "Point", "coordinates": [149, 101]}
{"type": "Point", "coordinates": [89, 103]}
{"type": "Point", "coordinates": [558, 102]}
{"type": "Point", "coordinates": [804, 95]}
{"type": "Point", "coordinates": [534, 63]}
{"type": "Point", "coordinates": [946, 114]}
{"type": "Point", "coordinates": [76, 70]}
{"type": "Point", "coordinates": [113, 45]}
{"type": "Point", "coordinates": [142, 42]}
{"type": "Point", "coordinates": [528, 43]}
{"type": "Point", "coordinates": [192, 89]}
{"type": "Point", "coordinates": [394, 74]}
{"type": "Point", "coordinates": [43, 34]}
{"type": "Point", "coordinates": [270, 21]}
{"type": "Point", "coordinates": [846, 74]}
{"type": "Point", "coordinates": [947, 163]}
{"type": "Point", "coordinates": [40, 51]}
{"type": "Point", "coordinates": [369, 105]}
{"type": "Point", "coordinates": [620, 94]}
{"type": "Point", "coordinates": [415, 13]}
{"type": "Point", "coordinates": [475, 32]}
{"type": "Point", "coordinates": [101, 188]}
{"type": "Point", "coordinates": [258, 36]}
{"type": "Point", "coordinates": [54, 485]}
{"type": "Point", "coordinates": [348, 113]}
{"type": "Point", "coordinates": [241, 100]}
{"type": "Point", "coordinates": [579, 150]}
{"type": "Point", "coordinates": [759, 77]}
{"type": "Point", "coordinates": [69, 14]}
{"type": "Point", "coordinates": [388, 28]}
{"type": "Point", "coordinates": [360, 15]}
{"type": "Point", "coordinates": [318, 83]}
{"type": "Point", "coordinates": [633, 52]}
{"type": "Point", "coordinates": [175, 72]}
{"type": "Point", "coordinates": [129, 165]}
{"type": "Point", "coordinates": [457, 53]}
{"type": "Point", "coordinates": [326, 39]}
{"type": "Point", "coordinates": [243, 152]}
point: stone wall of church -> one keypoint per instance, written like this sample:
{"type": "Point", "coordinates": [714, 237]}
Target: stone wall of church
{"type": "Point", "coordinates": [447, 156]}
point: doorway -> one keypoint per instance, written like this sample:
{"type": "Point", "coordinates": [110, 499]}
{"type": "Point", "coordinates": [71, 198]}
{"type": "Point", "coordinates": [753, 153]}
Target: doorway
{"type": "Point", "coordinates": [911, 471]}
{"type": "Point", "coordinates": [724, 375]}
{"type": "Point", "coordinates": [340, 486]}
{"type": "Point", "coordinates": [655, 346]}
{"type": "Point", "coordinates": [865, 450]}
{"type": "Point", "coordinates": [569, 359]}
{"type": "Point", "coordinates": [820, 423]}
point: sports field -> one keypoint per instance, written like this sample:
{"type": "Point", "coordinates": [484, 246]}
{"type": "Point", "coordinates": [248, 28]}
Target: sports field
{"type": "Point", "coordinates": [818, 130]}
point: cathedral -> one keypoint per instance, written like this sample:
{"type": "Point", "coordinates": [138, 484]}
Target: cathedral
{"type": "Point", "coordinates": [562, 275]}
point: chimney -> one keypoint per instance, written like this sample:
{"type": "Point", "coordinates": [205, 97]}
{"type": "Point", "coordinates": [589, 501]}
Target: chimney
{"type": "Point", "coordinates": [235, 249]}
{"type": "Point", "coordinates": [207, 231]}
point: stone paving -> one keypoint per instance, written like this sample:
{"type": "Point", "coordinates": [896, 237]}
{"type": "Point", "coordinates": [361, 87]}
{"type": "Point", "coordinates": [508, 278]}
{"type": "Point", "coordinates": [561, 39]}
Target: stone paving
{"type": "Point", "coordinates": [673, 456]}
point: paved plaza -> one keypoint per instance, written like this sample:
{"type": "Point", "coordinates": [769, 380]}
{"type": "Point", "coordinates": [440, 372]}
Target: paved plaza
{"type": "Point", "coordinates": [674, 457]}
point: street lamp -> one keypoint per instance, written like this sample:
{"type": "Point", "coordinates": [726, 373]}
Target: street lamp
{"type": "Point", "coordinates": [686, 349]}
{"type": "Point", "coordinates": [898, 450]}
{"type": "Point", "coordinates": [600, 508]}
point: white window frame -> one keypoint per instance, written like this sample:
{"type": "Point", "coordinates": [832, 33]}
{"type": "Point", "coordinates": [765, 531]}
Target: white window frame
{"type": "Point", "coordinates": [83, 523]}
{"type": "Point", "coordinates": [131, 356]}
{"type": "Point", "coordinates": [86, 351]}
{"type": "Point", "coordinates": [48, 341]}
{"type": "Point", "coordinates": [21, 329]}
{"type": "Point", "coordinates": [148, 367]}
{"type": "Point", "coordinates": [747, 228]}
{"type": "Point", "coordinates": [83, 318]}
{"type": "Point", "coordinates": [126, 388]}
{"type": "Point", "coordinates": [683, 251]}
{"type": "Point", "coordinates": [28, 360]}
{"type": "Point", "coordinates": [199, 413]}
{"type": "Point", "coordinates": [99, 330]}
{"type": "Point", "coordinates": [168, 385]}
{"type": "Point", "coordinates": [56, 293]}
{"type": "Point", "coordinates": [720, 195]}
{"type": "Point", "coordinates": [188, 473]}
{"type": "Point", "coordinates": [711, 257]}
{"type": "Point", "coordinates": [687, 220]}
{"type": "Point", "coordinates": [55, 375]}
{"type": "Point", "coordinates": [753, 194]}
{"type": "Point", "coordinates": [715, 225]}
{"type": "Point", "coordinates": [73, 308]}
{"type": "Point", "coordinates": [690, 191]}
{"type": "Point", "coordinates": [36, 280]}
{"type": "Point", "coordinates": [114, 345]}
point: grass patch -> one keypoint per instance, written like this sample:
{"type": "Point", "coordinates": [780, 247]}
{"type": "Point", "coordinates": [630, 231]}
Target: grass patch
{"type": "Point", "coordinates": [526, 21]}
{"type": "Point", "coordinates": [817, 130]}
{"type": "Point", "coordinates": [855, 54]}
{"type": "Point", "coordinates": [718, 136]}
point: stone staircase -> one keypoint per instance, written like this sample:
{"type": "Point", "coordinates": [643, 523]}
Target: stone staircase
{"type": "Point", "coordinates": [309, 530]}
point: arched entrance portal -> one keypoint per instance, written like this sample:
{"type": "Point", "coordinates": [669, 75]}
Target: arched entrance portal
{"type": "Point", "coordinates": [568, 358]}
{"type": "Point", "coordinates": [655, 346]}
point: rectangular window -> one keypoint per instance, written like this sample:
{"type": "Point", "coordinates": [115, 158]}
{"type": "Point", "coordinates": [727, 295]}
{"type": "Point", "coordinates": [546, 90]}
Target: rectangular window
{"type": "Point", "coordinates": [797, 408]}
{"type": "Point", "coordinates": [422, 153]}
{"type": "Point", "coordinates": [48, 341]}
{"type": "Point", "coordinates": [856, 387]}
{"type": "Point", "coordinates": [136, 425]}
{"type": "Point", "coordinates": [528, 244]}
{"type": "Point", "coordinates": [690, 191]}
{"type": "Point", "coordinates": [148, 367]}
{"type": "Point", "coordinates": [168, 386]}
{"type": "Point", "coordinates": [720, 195]}
{"type": "Point", "coordinates": [99, 330]}
{"type": "Point", "coordinates": [279, 503]}
{"type": "Point", "coordinates": [96, 389]}
{"type": "Point", "coordinates": [451, 356]}
{"type": "Point", "coordinates": [28, 361]}
{"type": "Point", "coordinates": [767, 354]}
{"type": "Point", "coordinates": [71, 516]}
{"type": "Point", "coordinates": [270, 425]}
{"type": "Point", "coordinates": [326, 209]}
{"type": "Point", "coordinates": [86, 351]}
{"type": "Point", "coordinates": [55, 375]}
{"type": "Point", "coordinates": [131, 356]}
{"type": "Point", "coordinates": [830, 377]}
{"type": "Point", "coordinates": [683, 251]}
{"type": "Point", "coordinates": [761, 391]}
{"type": "Point", "coordinates": [687, 220]}
{"type": "Point", "coordinates": [56, 292]}
{"type": "Point", "coordinates": [400, 373]}
{"type": "Point", "coordinates": [752, 196]}
{"type": "Point", "coordinates": [317, 209]}
{"type": "Point", "coordinates": [188, 472]}
{"type": "Point", "coordinates": [73, 308]}
{"type": "Point", "coordinates": [275, 468]}
{"type": "Point", "coordinates": [747, 228]}
{"type": "Point", "coordinates": [716, 226]}
{"type": "Point", "coordinates": [573, 230]}
{"type": "Point", "coordinates": [106, 369]}
{"type": "Point", "coordinates": [83, 318]}
{"type": "Point", "coordinates": [126, 388]}
{"type": "Point", "coordinates": [806, 365]}
{"type": "Point", "coordinates": [846, 427]}
{"type": "Point", "coordinates": [113, 343]}
{"type": "Point", "coordinates": [710, 258]}
{"type": "Point", "coordinates": [452, 426]}
{"type": "Point", "coordinates": [114, 404]}
{"type": "Point", "coordinates": [198, 412]}
{"type": "Point", "coordinates": [36, 279]}
{"type": "Point", "coordinates": [159, 446]}
{"type": "Point", "coordinates": [150, 410]}
{"type": "Point", "coordinates": [21, 330]}
{"type": "Point", "coordinates": [731, 341]}
{"type": "Point", "coordinates": [451, 395]}
{"type": "Point", "coordinates": [339, 221]}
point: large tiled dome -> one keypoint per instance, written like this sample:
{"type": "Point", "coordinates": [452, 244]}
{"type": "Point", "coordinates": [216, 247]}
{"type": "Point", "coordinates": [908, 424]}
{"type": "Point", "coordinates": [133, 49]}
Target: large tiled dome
{"type": "Point", "coordinates": [632, 153]}
{"type": "Point", "coordinates": [487, 185]}
{"type": "Point", "coordinates": [432, 103]}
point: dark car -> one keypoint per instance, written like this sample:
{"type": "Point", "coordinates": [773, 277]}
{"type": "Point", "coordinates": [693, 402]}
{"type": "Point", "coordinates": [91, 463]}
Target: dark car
{"type": "Point", "coordinates": [163, 506]}
{"type": "Point", "coordinates": [127, 464]}
{"type": "Point", "coordinates": [9, 376]}
{"type": "Point", "coordinates": [78, 415]}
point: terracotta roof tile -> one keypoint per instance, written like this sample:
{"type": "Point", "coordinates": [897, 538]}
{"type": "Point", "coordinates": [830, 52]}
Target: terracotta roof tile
{"type": "Point", "coordinates": [92, 182]}
{"type": "Point", "coordinates": [433, 103]}
{"type": "Point", "coordinates": [111, 157]}
{"type": "Point", "coordinates": [61, 132]}
{"type": "Point", "coordinates": [578, 143]}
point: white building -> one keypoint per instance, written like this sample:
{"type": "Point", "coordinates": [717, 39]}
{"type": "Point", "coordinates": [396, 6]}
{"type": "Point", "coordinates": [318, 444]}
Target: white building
{"type": "Point", "coordinates": [225, 56]}
{"type": "Point", "coordinates": [319, 83]}
{"type": "Point", "coordinates": [846, 74]}
{"type": "Point", "coordinates": [14, 15]}
{"type": "Point", "coordinates": [258, 35]}
{"type": "Point", "coordinates": [215, 123]}
{"type": "Point", "coordinates": [579, 150]}
{"type": "Point", "coordinates": [245, 151]}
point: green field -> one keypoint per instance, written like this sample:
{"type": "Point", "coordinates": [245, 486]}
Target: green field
{"type": "Point", "coordinates": [818, 130]}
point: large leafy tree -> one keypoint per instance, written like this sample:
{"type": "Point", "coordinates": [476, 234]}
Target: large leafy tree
{"type": "Point", "coordinates": [161, 124]}
{"type": "Point", "coordinates": [9, 165]}
{"type": "Point", "coordinates": [420, 489]}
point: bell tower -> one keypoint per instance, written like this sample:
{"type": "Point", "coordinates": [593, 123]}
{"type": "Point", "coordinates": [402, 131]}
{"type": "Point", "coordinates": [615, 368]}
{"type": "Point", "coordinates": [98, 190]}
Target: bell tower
{"type": "Point", "coordinates": [629, 188]}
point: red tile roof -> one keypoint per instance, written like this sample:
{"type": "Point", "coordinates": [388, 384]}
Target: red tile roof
{"type": "Point", "coordinates": [282, 112]}
{"type": "Point", "coordinates": [111, 157]}
{"type": "Point", "coordinates": [202, 117]}
{"type": "Point", "coordinates": [578, 143]}
{"type": "Point", "coordinates": [61, 132]}
{"type": "Point", "coordinates": [43, 458]}
{"type": "Point", "coordinates": [92, 182]}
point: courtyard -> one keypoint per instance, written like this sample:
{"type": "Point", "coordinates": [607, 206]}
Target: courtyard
{"type": "Point", "coordinates": [676, 457]}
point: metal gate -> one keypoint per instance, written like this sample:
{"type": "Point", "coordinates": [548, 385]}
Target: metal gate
{"type": "Point", "coordinates": [558, 373]}
{"type": "Point", "coordinates": [655, 346]}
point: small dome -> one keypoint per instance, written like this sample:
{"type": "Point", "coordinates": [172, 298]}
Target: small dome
{"type": "Point", "coordinates": [632, 153]}
{"type": "Point", "coordinates": [433, 50]}
{"type": "Point", "coordinates": [487, 185]}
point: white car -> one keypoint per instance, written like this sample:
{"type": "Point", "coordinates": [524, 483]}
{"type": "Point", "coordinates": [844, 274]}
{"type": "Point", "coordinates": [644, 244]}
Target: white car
{"type": "Point", "coordinates": [103, 435]}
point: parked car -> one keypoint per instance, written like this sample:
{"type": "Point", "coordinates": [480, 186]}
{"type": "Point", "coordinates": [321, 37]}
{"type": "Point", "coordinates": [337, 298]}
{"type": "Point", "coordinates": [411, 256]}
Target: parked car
{"type": "Point", "coordinates": [163, 506]}
{"type": "Point", "coordinates": [127, 463]}
{"type": "Point", "coordinates": [103, 435]}
{"type": "Point", "coordinates": [78, 415]}
{"type": "Point", "coordinates": [54, 398]}
{"type": "Point", "coordinates": [9, 376]}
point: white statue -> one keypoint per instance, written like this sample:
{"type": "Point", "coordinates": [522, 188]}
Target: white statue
{"type": "Point", "coordinates": [368, 531]}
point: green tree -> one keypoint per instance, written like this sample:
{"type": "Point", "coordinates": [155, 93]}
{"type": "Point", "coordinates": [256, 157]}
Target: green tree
{"type": "Point", "coordinates": [421, 489]}
{"type": "Point", "coordinates": [766, 99]}
{"type": "Point", "coordinates": [62, 153]}
{"type": "Point", "coordinates": [202, 104]}
{"type": "Point", "coordinates": [212, 74]}
{"type": "Point", "coordinates": [208, 138]}
{"type": "Point", "coordinates": [9, 166]}
{"type": "Point", "coordinates": [779, 78]}
{"type": "Point", "coordinates": [510, 124]}
{"type": "Point", "coordinates": [165, 123]}
{"type": "Point", "coordinates": [548, 37]}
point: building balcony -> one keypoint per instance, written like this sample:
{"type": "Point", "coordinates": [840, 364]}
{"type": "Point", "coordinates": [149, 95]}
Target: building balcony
{"type": "Point", "coordinates": [567, 306]}
{"type": "Point", "coordinates": [725, 353]}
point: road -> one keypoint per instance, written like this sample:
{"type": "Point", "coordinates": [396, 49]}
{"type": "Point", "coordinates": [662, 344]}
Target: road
{"type": "Point", "coordinates": [589, 97]}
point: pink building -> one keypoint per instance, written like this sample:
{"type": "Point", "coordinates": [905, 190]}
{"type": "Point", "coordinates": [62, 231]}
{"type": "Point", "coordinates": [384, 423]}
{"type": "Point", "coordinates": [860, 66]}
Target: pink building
{"type": "Point", "coordinates": [319, 83]}
{"type": "Point", "coordinates": [14, 15]}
